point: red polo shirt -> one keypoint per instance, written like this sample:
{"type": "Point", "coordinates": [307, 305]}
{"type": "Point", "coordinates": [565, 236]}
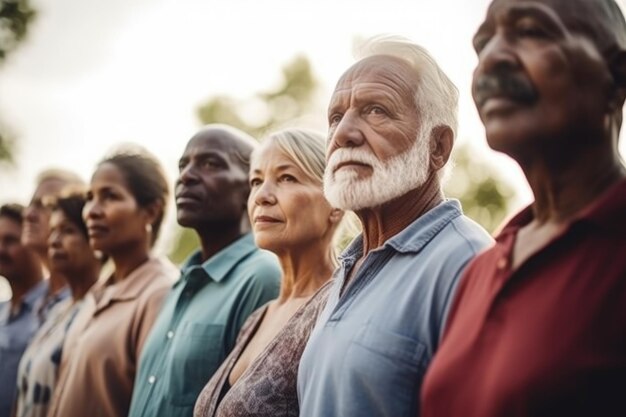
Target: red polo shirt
{"type": "Point", "coordinates": [548, 339]}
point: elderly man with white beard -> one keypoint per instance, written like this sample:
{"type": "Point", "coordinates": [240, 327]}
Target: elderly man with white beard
{"type": "Point", "coordinates": [392, 121]}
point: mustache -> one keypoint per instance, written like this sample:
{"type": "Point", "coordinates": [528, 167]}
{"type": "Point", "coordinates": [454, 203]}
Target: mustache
{"type": "Point", "coordinates": [354, 155]}
{"type": "Point", "coordinates": [5, 259]}
{"type": "Point", "coordinates": [503, 84]}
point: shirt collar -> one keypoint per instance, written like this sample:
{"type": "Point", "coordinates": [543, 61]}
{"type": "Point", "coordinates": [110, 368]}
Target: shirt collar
{"type": "Point", "coordinates": [29, 301]}
{"type": "Point", "coordinates": [32, 297]}
{"type": "Point", "coordinates": [130, 287]}
{"type": "Point", "coordinates": [416, 235]}
{"type": "Point", "coordinates": [219, 265]}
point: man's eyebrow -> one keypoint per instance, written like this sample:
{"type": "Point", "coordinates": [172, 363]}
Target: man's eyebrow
{"type": "Point", "coordinates": [545, 15]}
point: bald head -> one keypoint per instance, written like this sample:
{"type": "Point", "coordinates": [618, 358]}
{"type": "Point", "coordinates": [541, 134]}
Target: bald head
{"type": "Point", "coordinates": [212, 187]}
{"type": "Point", "coordinates": [236, 142]}
{"type": "Point", "coordinates": [601, 21]}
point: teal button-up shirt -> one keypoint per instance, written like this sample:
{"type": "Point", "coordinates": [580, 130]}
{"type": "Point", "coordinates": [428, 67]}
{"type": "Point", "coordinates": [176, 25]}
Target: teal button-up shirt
{"type": "Point", "coordinates": [198, 326]}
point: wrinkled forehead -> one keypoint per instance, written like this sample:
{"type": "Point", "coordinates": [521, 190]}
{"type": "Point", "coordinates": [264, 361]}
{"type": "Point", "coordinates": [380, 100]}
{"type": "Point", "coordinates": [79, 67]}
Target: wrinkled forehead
{"type": "Point", "coordinates": [384, 69]}
{"type": "Point", "coordinates": [601, 21]}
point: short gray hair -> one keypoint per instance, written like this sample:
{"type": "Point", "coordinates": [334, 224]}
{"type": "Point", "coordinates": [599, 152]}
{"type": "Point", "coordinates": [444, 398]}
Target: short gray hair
{"type": "Point", "coordinates": [436, 96]}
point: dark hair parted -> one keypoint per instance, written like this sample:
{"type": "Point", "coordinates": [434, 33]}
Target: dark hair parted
{"type": "Point", "coordinates": [145, 180]}
{"type": "Point", "coordinates": [12, 211]}
{"type": "Point", "coordinates": [71, 206]}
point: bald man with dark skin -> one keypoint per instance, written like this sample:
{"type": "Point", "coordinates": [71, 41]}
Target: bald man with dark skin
{"type": "Point", "coordinates": [222, 283]}
{"type": "Point", "coordinates": [537, 328]}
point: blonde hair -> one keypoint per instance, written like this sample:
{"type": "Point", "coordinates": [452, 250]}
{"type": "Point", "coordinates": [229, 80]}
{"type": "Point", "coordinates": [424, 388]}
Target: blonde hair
{"type": "Point", "coordinates": [307, 149]}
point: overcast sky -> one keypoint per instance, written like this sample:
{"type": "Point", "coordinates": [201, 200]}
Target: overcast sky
{"type": "Point", "coordinates": [96, 73]}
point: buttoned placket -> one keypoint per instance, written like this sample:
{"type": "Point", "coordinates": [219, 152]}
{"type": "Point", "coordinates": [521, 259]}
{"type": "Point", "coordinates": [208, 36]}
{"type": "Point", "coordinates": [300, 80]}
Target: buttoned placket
{"type": "Point", "coordinates": [195, 280]}
{"type": "Point", "coordinates": [371, 266]}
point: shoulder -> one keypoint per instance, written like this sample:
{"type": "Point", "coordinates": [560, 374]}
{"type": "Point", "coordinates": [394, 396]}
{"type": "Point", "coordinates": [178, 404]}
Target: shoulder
{"type": "Point", "coordinates": [471, 236]}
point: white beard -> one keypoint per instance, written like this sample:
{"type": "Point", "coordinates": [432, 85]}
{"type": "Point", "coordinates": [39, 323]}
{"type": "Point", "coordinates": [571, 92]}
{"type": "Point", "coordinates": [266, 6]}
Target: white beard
{"type": "Point", "coordinates": [390, 179]}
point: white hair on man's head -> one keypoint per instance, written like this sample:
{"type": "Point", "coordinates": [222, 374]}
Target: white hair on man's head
{"type": "Point", "coordinates": [436, 96]}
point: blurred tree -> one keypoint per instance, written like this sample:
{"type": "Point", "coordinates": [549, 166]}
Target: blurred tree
{"type": "Point", "coordinates": [473, 182]}
{"type": "Point", "coordinates": [15, 16]}
{"type": "Point", "coordinates": [292, 98]}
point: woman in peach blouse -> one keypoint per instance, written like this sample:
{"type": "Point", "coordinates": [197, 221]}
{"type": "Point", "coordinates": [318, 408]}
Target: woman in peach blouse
{"type": "Point", "coordinates": [125, 206]}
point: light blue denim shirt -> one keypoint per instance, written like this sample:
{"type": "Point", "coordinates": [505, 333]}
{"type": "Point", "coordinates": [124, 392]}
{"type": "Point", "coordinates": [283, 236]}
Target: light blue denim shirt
{"type": "Point", "coordinates": [16, 330]}
{"type": "Point", "coordinates": [370, 348]}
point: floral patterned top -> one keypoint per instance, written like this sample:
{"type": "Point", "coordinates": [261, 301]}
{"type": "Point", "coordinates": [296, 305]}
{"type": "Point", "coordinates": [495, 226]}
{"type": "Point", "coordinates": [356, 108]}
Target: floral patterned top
{"type": "Point", "coordinates": [268, 387]}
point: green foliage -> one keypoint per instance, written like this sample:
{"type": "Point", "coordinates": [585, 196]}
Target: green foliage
{"type": "Point", "coordinates": [474, 183]}
{"type": "Point", "coordinates": [186, 242]}
{"type": "Point", "coordinates": [293, 98]}
{"type": "Point", "coordinates": [15, 15]}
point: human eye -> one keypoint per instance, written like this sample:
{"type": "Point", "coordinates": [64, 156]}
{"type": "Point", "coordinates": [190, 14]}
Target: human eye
{"type": "Point", "coordinates": [376, 110]}
{"type": "Point", "coordinates": [89, 196]}
{"type": "Point", "coordinates": [287, 178]}
{"type": "Point", "coordinates": [255, 182]}
{"type": "Point", "coordinates": [334, 119]}
{"type": "Point", "coordinates": [479, 41]}
{"type": "Point", "coordinates": [182, 164]}
{"type": "Point", "coordinates": [212, 163]}
{"type": "Point", "coordinates": [528, 27]}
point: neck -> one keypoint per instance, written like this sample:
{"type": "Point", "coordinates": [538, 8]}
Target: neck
{"type": "Point", "coordinates": [23, 284]}
{"type": "Point", "coordinates": [85, 280]}
{"type": "Point", "coordinates": [216, 237]}
{"type": "Point", "coordinates": [128, 259]}
{"type": "Point", "coordinates": [305, 270]}
{"type": "Point", "coordinates": [56, 282]}
{"type": "Point", "coordinates": [382, 222]}
{"type": "Point", "coordinates": [565, 187]}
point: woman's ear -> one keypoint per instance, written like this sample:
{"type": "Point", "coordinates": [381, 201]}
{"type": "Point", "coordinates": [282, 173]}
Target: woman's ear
{"type": "Point", "coordinates": [153, 211]}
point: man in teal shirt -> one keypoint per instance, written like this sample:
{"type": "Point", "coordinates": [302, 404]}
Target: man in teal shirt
{"type": "Point", "coordinates": [221, 284]}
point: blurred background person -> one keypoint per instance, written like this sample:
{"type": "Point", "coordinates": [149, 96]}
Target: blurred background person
{"type": "Point", "coordinates": [222, 283]}
{"type": "Point", "coordinates": [291, 218]}
{"type": "Point", "coordinates": [71, 256]}
{"type": "Point", "coordinates": [21, 267]}
{"type": "Point", "coordinates": [35, 232]}
{"type": "Point", "coordinates": [125, 206]}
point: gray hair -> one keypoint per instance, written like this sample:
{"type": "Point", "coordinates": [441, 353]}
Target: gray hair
{"type": "Point", "coordinates": [436, 96]}
{"type": "Point", "coordinates": [306, 148]}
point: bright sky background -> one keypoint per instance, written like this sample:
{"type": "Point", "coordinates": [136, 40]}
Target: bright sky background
{"type": "Point", "coordinates": [96, 73]}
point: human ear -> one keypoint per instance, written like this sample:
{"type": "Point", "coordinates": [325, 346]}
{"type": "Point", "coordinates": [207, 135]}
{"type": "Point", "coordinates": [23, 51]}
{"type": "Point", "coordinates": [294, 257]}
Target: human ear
{"type": "Point", "coordinates": [336, 215]}
{"type": "Point", "coordinates": [441, 141]}
{"type": "Point", "coordinates": [152, 212]}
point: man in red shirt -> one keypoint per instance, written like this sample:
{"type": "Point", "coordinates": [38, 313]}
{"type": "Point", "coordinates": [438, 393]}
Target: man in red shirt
{"type": "Point", "coordinates": [538, 327]}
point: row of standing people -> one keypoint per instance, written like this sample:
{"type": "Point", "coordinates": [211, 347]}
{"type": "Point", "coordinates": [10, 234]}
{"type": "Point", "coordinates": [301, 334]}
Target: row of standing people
{"type": "Point", "coordinates": [550, 92]}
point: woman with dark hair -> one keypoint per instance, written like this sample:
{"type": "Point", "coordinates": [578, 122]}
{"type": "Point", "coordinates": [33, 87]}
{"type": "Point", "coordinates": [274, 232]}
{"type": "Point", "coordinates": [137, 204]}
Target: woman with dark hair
{"type": "Point", "coordinates": [124, 209]}
{"type": "Point", "coordinates": [69, 255]}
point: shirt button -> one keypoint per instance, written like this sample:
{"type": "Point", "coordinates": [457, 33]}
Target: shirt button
{"type": "Point", "coordinates": [152, 379]}
{"type": "Point", "coordinates": [502, 263]}
{"type": "Point", "coordinates": [170, 334]}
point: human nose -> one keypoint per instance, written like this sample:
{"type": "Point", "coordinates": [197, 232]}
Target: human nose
{"type": "Point", "coordinates": [54, 239]}
{"type": "Point", "coordinates": [496, 55]}
{"type": "Point", "coordinates": [348, 133]}
{"type": "Point", "coordinates": [188, 174]}
{"type": "Point", "coordinates": [264, 194]}
{"type": "Point", "coordinates": [92, 210]}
